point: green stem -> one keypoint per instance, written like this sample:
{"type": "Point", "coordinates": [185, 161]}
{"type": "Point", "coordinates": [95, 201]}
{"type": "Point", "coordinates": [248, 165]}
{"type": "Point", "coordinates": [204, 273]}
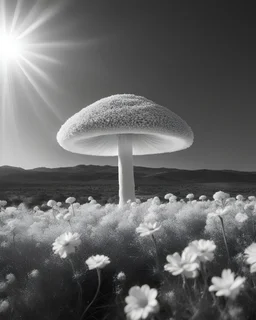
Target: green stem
{"type": "Point", "coordinates": [96, 294]}
{"type": "Point", "coordinates": [156, 253]}
{"type": "Point", "coordinates": [78, 283]}
{"type": "Point", "coordinates": [204, 275]}
{"type": "Point", "coordinates": [187, 292]}
{"type": "Point", "coordinates": [225, 239]}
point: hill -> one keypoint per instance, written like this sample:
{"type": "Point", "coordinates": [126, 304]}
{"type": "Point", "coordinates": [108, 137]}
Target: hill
{"type": "Point", "coordinates": [40, 184]}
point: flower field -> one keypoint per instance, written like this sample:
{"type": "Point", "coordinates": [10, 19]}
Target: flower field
{"type": "Point", "coordinates": [177, 259]}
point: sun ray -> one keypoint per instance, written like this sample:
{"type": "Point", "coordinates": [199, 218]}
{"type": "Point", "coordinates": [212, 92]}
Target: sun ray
{"type": "Point", "coordinates": [29, 18]}
{"type": "Point", "coordinates": [38, 90]}
{"type": "Point", "coordinates": [40, 72]}
{"type": "Point", "coordinates": [28, 96]}
{"type": "Point", "coordinates": [56, 44]}
{"type": "Point", "coordinates": [45, 16]}
{"type": "Point", "coordinates": [16, 15]}
{"type": "Point", "coordinates": [28, 53]}
{"type": "Point", "coordinates": [42, 57]}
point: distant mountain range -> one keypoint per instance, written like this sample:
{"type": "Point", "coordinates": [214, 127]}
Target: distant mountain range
{"type": "Point", "coordinates": [98, 175]}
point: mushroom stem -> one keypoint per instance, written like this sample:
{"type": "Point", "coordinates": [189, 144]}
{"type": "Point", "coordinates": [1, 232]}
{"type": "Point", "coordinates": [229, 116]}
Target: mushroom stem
{"type": "Point", "coordinates": [125, 169]}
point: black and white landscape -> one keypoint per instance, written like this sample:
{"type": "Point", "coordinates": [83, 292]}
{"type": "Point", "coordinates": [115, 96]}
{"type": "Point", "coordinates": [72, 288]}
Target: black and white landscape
{"type": "Point", "coordinates": [37, 186]}
{"type": "Point", "coordinates": [127, 160]}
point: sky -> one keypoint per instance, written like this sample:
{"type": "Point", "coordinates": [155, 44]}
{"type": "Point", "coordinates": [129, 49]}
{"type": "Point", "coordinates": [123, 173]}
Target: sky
{"type": "Point", "coordinates": [196, 58]}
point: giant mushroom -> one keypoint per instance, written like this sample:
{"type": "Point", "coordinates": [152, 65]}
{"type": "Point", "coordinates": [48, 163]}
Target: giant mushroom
{"type": "Point", "coordinates": [125, 125]}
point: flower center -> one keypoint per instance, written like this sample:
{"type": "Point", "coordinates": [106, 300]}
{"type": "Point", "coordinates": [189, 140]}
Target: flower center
{"type": "Point", "coordinates": [143, 302]}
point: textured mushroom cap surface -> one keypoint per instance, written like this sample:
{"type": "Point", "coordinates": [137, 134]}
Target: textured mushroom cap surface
{"type": "Point", "coordinates": [153, 129]}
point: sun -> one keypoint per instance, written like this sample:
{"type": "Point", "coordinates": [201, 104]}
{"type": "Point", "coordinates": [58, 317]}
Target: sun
{"type": "Point", "coordinates": [11, 47]}
{"type": "Point", "coordinates": [29, 56]}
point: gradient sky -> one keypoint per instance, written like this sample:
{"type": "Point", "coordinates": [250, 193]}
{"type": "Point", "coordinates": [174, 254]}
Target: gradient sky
{"type": "Point", "coordinates": [195, 57]}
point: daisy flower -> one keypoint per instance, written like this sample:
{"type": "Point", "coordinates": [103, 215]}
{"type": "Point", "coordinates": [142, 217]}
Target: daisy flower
{"type": "Point", "coordinates": [97, 262]}
{"type": "Point", "coordinates": [51, 203]}
{"type": "Point", "coordinates": [66, 244]}
{"type": "Point", "coordinates": [204, 249]}
{"type": "Point", "coordinates": [141, 302]}
{"type": "Point", "coordinates": [186, 264]}
{"type": "Point", "coordinates": [250, 255]}
{"type": "Point", "coordinates": [146, 229]}
{"type": "Point", "coordinates": [190, 196]}
{"type": "Point", "coordinates": [4, 305]}
{"type": "Point", "coordinates": [227, 285]}
{"type": "Point", "coordinates": [220, 212]}
{"type": "Point", "coordinates": [220, 196]}
{"type": "Point", "coordinates": [70, 200]}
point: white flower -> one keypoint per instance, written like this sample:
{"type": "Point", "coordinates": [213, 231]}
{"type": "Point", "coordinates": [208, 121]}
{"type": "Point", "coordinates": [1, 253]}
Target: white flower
{"type": "Point", "coordinates": [168, 195]}
{"type": "Point", "coordinates": [239, 197]}
{"type": "Point", "coordinates": [33, 274]}
{"type": "Point", "coordinates": [51, 203]}
{"type": "Point", "coordinates": [67, 217]}
{"type": "Point", "coordinates": [220, 196]}
{"type": "Point", "coordinates": [10, 278]}
{"type": "Point", "coordinates": [251, 198]}
{"type": "Point", "coordinates": [241, 217]}
{"type": "Point", "coordinates": [36, 208]}
{"type": "Point", "coordinates": [59, 204]}
{"type": "Point", "coordinates": [146, 229]}
{"type": "Point", "coordinates": [90, 198]}
{"type": "Point", "coordinates": [121, 276]}
{"type": "Point", "coordinates": [70, 200]}
{"type": "Point", "coordinates": [137, 201]}
{"type": "Point", "coordinates": [4, 305]}
{"type": "Point", "coordinates": [172, 199]}
{"type": "Point", "coordinates": [204, 249]}
{"type": "Point", "coordinates": [202, 198]}
{"type": "Point", "coordinates": [190, 196]}
{"type": "Point", "coordinates": [186, 264]}
{"type": "Point", "coordinates": [97, 262]}
{"type": "Point", "coordinates": [66, 244]}
{"type": "Point", "coordinates": [93, 201]}
{"type": "Point", "coordinates": [221, 212]}
{"type": "Point", "coordinates": [250, 255]}
{"type": "Point", "coordinates": [141, 302]}
{"type": "Point", "coordinates": [227, 285]}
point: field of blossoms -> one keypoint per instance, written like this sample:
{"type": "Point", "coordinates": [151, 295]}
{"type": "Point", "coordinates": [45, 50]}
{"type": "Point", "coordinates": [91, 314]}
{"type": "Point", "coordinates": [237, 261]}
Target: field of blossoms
{"type": "Point", "coordinates": [177, 259]}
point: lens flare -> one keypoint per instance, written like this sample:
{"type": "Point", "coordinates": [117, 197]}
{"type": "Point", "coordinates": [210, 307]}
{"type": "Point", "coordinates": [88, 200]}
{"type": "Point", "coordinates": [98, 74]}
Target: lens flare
{"type": "Point", "coordinates": [27, 51]}
{"type": "Point", "coordinates": [11, 48]}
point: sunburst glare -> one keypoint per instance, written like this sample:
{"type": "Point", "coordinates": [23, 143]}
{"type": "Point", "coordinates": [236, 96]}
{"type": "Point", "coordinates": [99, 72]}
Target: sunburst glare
{"type": "Point", "coordinates": [11, 47]}
{"type": "Point", "coordinates": [25, 52]}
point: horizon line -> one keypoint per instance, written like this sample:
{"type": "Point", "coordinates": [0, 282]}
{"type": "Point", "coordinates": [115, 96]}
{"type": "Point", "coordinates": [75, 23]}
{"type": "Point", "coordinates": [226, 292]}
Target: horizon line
{"type": "Point", "coordinates": [86, 165]}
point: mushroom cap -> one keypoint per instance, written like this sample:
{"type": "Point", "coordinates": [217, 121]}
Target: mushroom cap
{"type": "Point", "coordinates": [153, 129]}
